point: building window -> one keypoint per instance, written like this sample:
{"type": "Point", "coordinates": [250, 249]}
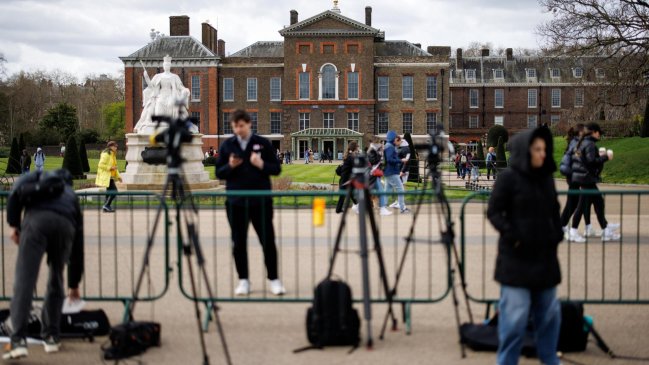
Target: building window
{"type": "Point", "coordinates": [382, 123]}
{"type": "Point", "coordinates": [352, 85]}
{"type": "Point", "coordinates": [531, 121]}
{"type": "Point", "coordinates": [328, 120]}
{"type": "Point", "coordinates": [304, 120]}
{"type": "Point", "coordinates": [407, 88]}
{"type": "Point", "coordinates": [304, 48]}
{"type": "Point", "coordinates": [554, 119]}
{"type": "Point", "coordinates": [383, 87]}
{"type": "Point", "coordinates": [328, 49]}
{"type": "Point", "coordinates": [579, 97]}
{"type": "Point", "coordinates": [352, 48]}
{"type": "Point", "coordinates": [196, 119]}
{"type": "Point", "coordinates": [473, 121]}
{"type": "Point", "coordinates": [228, 89]}
{"type": "Point", "coordinates": [556, 98]}
{"type": "Point", "coordinates": [431, 123]}
{"type": "Point", "coordinates": [599, 73]}
{"type": "Point", "coordinates": [275, 88]}
{"type": "Point", "coordinates": [328, 82]}
{"type": "Point", "coordinates": [352, 121]}
{"type": "Point", "coordinates": [555, 73]}
{"type": "Point", "coordinates": [252, 89]}
{"type": "Point", "coordinates": [431, 87]}
{"type": "Point", "coordinates": [531, 74]}
{"type": "Point", "coordinates": [227, 127]}
{"type": "Point", "coordinates": [275, 123]}
{"type": "Point", "coordinates": [531, 98]}
{"type": "Point", "coordinates": [499, 98]}
{"type": "Point", "coordinates": [470, 76]}
{"type": "Point", "coordinates": [578, 72]}
{"type": "Point", "coordinates": [473, 98]}
{"type": "Point", "coordinates": [499, 74]}
{"type": "Point", "coordinates": [196, 88]}
{"type": "Point", "coordinates": [499, 120]}
{"type": "Point", "coordinates": [253, 121]}
{"type": "Point", "coordinates": [305, 85]}
{"type": "Point", "coordinates": [407, 122]}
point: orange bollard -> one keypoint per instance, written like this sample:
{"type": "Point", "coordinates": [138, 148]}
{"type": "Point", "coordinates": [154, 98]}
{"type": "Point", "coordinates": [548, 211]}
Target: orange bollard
{"type": "Point", "coordinates": [319, 212]}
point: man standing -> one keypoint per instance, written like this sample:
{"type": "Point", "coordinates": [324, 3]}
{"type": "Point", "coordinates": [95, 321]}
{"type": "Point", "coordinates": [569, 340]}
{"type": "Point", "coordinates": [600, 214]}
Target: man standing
{"type": "Point", "coordinates": [39, 159]}
{"type": "Point", "coordinates": [52, 224]}
{"type": "Point", "coordinates": [246, 161]}
{"type": "Point", "coordinates": [25, 162]}
{"type": "Point", "coordinates": [393, 170]}
{"type": "Point", "coordinates": [491, 163]}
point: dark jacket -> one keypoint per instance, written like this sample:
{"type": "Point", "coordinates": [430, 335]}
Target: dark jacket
{"type": "Point", "coordinates": [346, 169]}
{"type": "Point", "coordinates": [392, 162]}
{"type": "Point", "coordinates": [246, 176]}
{"type": "Point", "coordinates": [25, 162]}
{"type": "Point", "coordinates": [587, 164]}
{"type": "Point", "coordinates": [524, 208]}
{"type": "Point", "coordinates": [402, 152]}
{"type": "Point", "coordinates": [66, 205]}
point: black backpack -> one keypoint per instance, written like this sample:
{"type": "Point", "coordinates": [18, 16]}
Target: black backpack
{"type": "Point", "coordinates": [332, 321]}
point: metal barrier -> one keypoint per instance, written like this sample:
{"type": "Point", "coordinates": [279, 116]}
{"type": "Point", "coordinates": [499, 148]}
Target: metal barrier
{"type": "Point", "coordinates": [594, 272]}
{"type": "Point", "coordinates": [114, 246]}
{"type": "Point", "coordinates": [304, 251]}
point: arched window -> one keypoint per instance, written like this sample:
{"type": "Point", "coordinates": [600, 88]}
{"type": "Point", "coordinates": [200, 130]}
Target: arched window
{"type": "Point", "coordinates": [328, 82]}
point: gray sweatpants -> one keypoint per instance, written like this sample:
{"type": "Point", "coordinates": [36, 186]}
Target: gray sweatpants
{"type": "Point", "coordinates": [41, 232]}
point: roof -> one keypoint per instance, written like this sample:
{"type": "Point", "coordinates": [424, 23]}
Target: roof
{"type": "Point", "coordinates": [338, 132]}
{"type": "Point", "coordinates": [178, 47]}
{"type": "Point", "coordinates": [262, 49]}
{"type": "Point", "coordinates": [398, 48]}
{"type": "Point", "coordinates": [345, 26]}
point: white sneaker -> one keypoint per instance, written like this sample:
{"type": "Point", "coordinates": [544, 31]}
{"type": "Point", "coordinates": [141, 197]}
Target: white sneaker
{"type": "Point", "coordinates": [385, 211]}
{"type": "Point", "coordinates": [51, 344]}
{"type": "Point", "coordinates": [590, 231]}
{"type": "Point", "coordinates": [613, 226]}
{"type": "Point", "coordinates": [574, 236]}
{"type": "Point", "coordinates": [276, 287]}
{"type": "Point", "coordinates": [395, 205]}
{"type": "Point", "coordinates": [609, 235]}
{"type": "Point", "coordinates": [243, 288]}
{"type": "Point", "coordinates": [355, 208]}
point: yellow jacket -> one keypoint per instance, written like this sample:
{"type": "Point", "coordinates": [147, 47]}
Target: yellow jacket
{"type": "Point", "coordinates": [106, 161]}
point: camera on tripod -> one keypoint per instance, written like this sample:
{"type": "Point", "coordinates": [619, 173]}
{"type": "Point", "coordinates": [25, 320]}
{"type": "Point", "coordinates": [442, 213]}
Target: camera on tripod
{"type": "Point", "coordinates": [172, 138]}
{"type": "Point", "coordinates": [438, 144]}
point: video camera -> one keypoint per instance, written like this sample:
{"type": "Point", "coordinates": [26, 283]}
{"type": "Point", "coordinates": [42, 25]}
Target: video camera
{"type": "Point", "coordinates": [172, 138]}
{"type": "Point", "coordinates": [439, 143]}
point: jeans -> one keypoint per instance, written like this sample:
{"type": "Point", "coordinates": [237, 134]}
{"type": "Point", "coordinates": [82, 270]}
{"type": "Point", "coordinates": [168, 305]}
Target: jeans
{"type": "Point", "coordinates": [394, 182]}
{"type": "Point", "coordinates": [383, 199]}
{"type": "Point", "coordinates": [515, 306]}
{"type": "Point", "coordinates": [110, 197]}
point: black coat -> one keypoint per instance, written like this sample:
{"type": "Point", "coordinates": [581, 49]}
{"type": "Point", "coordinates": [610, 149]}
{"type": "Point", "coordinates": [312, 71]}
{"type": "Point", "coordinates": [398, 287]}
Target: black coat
{"type": "Point", "coordinates": [587, 164]}
{"type": "Point", "coordinates": [524, 208]}
{"type": "Point", "coordinates": [246, 176]}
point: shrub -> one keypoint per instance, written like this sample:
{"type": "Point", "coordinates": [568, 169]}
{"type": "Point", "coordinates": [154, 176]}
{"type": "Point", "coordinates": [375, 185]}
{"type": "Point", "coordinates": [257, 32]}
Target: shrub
{"type": "Point", "coordinates": [501, 159]}
{"type": "Point", "coordinates": [210, 161]}
{"type": "Point", "coordinates": [83, 155]}
{"type": "Point", "coordinates": [13, 165]}
{"type": "Point", "coordinates": [480, 155]}
{"type": "Point", "coordinates": [89, 136]}
{"type": "Point", "coordinates": [495, 133]}
{"type": "Point", "coordinates": [72, 160]}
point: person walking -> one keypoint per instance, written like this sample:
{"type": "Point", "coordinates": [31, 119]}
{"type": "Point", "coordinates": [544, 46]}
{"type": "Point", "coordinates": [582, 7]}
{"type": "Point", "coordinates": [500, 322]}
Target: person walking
{"type": "Point", "coordinates": [345, 173]}
{"type": "Point", "coordinates": [403, 152]}
{"type": "Point", "coordinates": [458, 156]}
{"type": "Point", "coordinates": [107, 173]}
{"type": "Point", "coordinates": [463, 161]}
{"type": "Point", "coordinates": [524, 209]}
{"type": "Point", "coordinates": [393, 170]}
{"type": "Point", "coordinates": [48, 223]}
{"type": "Point", "coordinates": [587, 165]}
{"type": "Point", "coordinates": [491, 163]}
{"type": "Point", "coordinates": [246, 161]}
{"type": "Point", "coordinates": [572, 200]}
{"type": "Point", "coordinates": [39, 159]}
{"type": "Point", "coordinates": [25, 162]}
{"type": "Point", "coordinates": [375, 158]}
{"type": "Point", "coordinates": [330, 155]}
{"type": "Point", "coordinates": [306, 156]}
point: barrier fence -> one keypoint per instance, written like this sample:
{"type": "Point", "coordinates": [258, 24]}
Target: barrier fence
{"type": "Point", "coordinates": [594, 272]}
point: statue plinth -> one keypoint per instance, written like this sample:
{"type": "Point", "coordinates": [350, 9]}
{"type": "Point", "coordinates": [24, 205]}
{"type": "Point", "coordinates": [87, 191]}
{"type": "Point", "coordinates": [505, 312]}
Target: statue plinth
{"type": "Point", "coordinates": [140, 176]}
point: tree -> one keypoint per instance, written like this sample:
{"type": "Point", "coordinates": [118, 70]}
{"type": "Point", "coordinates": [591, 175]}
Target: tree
{"type": "Point", "coordinates": [71, 160]}
{"type": "Point", "coordinates": [13, 165]}
{"type": "Point", "coordinates": [496, 132]}
{"type": "Point", "coordinates": [501, 159]}
{"type": "Point", "coordinates": [21, 142]}
{"type": "Point", "coordinates": [83, 155]}
{"type": "Point", "coordinates": [61, 118]}
{"type": "Point", "coordinates": [644, 132]}
{"type": "Point", "coordinates": [480, 154]}
{"type": "Point", "coordinates": [3, 68]}
{"type": "Point", "coordinates": [114, 117]}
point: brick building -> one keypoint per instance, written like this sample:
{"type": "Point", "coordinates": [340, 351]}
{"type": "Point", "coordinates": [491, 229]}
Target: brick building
{"type": "Point", "coordinates": [330, 81]}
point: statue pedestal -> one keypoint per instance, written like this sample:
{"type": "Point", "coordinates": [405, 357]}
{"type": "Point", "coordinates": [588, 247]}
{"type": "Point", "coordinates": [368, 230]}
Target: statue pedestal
{"type": "Point", "coordinates": [140, 176]}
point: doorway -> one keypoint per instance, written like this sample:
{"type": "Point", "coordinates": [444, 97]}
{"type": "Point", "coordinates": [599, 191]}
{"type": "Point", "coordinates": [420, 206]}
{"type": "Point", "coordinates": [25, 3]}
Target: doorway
{"type": "Point", "coordinates": [302, 146]}
{"type": "Point", "coordinates": [328, 148]}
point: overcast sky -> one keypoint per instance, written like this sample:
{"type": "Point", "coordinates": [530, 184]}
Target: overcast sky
{"type": "Point", "coordinates": [87, 36]}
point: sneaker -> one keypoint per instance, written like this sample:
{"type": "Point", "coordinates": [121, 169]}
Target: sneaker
{"type": "Point", "coordinates": [355, 208]}
{"type": "Point", "coordinates": [395, 205]}
{"type": "Point", "coordinates": [51, 344]}
{"type": "Point", "coordinates": [15, 350]}
{"type": "Point", "coordinates": [613, 226]}
{"type": "Point", "coordinates": [243, 288]}
{"type": "Point", "coordinates": [276, 287]}
{"type": "Point", "coordinates": [385, 211]}
{"type": "Point", "coordinates": [575, 237]}
{"type": "Point", "coordinates": [590, 231]}
{"type": "Point", "coordinates": [566, 233]}
{"type": "Point", "coordinates": [405, 211]}
{"type": "Point", "coordinates": [108, 209]}
{"type": "Point", "coordinates": [609, 235]}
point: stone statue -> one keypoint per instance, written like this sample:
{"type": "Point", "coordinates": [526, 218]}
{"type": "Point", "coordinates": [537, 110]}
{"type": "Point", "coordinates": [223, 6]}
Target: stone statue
{"type": "Point", "coordinates": [164, 95]}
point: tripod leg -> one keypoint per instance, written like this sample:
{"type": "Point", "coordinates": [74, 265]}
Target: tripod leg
{"type": "Point", "coordinates": [362, 211]}
{"type": "Point", "coordinates": [456, 306]}
{"type": "Point", "coordinates": [341, 228]}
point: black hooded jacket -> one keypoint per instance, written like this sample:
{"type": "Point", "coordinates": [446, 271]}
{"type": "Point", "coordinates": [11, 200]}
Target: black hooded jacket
{"type": "Point", "coordinates": [524, 208]}
{"type": "Point", "coordinates": [587, 164]}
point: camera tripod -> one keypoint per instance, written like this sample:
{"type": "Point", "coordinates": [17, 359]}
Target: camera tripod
{"type": "Point", "coordinates": [447, 234]}
{"type": "Point", "coordinates": [359, 183]}
{"type": "Point", "coordinates": [175, 186]}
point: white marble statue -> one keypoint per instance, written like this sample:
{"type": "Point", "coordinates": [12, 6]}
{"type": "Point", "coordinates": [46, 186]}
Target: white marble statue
{"type": "Point", "coordinates": [164, 95]}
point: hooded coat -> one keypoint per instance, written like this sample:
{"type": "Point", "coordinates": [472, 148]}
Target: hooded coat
{"type": "Point", "coordinates": [525, 211]}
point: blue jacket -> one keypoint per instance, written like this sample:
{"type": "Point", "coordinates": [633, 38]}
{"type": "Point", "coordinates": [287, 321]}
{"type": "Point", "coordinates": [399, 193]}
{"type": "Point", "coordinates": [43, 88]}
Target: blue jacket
{"type": "Point", "coordinates": [392, 162]}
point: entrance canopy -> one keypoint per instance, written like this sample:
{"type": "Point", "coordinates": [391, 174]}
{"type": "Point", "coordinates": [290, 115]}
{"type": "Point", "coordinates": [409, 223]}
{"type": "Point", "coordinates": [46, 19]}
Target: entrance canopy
{"type": "Point", "coordinates": [327, 133]}
{"type": "Point", "coordinates": [329, 140]}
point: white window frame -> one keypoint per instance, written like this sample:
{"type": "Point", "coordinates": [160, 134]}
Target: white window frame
{"type": "Point", "coordinates": [196, 88]}
{"type": "Point", "coordinates": [308, 84]}
{"type": "Point", "coordinates": [408, 88]}
{"type": "Point", "coordinates": [555, 119]}
{"type": "Point", "coordinates": [321, 82]}
{"type": "Point", "coordinates": [254, 121]}
{"type": "Point", "coordinates": [225, 89]}
{"type": "Point", "coordinates": [499, 120]}
{"type": "Point", "coordinates": [556, 77]}
{"type": "Point", "coordinates": [404, 121]}
{"type": "Point", "coordinates": [431, 119]}
{"type": "Point", "coordinates": [579, 98]}
{"type": "Point", "coordinates": [325, 120]}
{"type": "Point", "coordinates": [353, 121]}
{"type": "Point", "coordinates": [499, 75]}
{"type": "Point", "coordinates": [227, 127]}
{"type": "Point", "coordinates": [304, 121]}
{"type": "Point", "coordinates": [532, 95]}
{"type": "Point", "coordinates": [496, 98]}
{"type": "Point", "coordinates": [350, 85]}
{"type": "Point", "coordinates": [277, 89]}
{"type": "Point", "coordinates": [386, 88]}
{"type": "Point", "coordinates": [251, 88]}
{"type": "Point", "coordinates": [472, 93]}
{"type": "Point", "coordinates": [474, 121]}
{"type": "Point", "coordinates": [578, 72]}
{"type": "Point", "coordinates": [277, 130]}
{"type": "Point", "coordinates": [555, 98]}
{"type": "Point", "coordinates": [600, 73]}
{"type": "Point", "coordinates": [532, 121]}
{"type": "Point", "coordinates": [434, 88]}
{"type": "Point", "coordinates": [469, 76]}
{"type": "Point", "coordinates": [382, 117]}
{"type": "Point", "coordinates": [530, 74]}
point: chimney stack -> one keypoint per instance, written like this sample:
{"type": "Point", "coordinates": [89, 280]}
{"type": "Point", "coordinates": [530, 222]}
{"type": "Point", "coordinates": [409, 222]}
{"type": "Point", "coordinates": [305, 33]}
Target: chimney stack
{"type": "Point", "coordinates": [293, 17]}
{"type": "Point", "coordinates": [458, 59]}
{"type": "Point", "coordinates": [485, 52]}
{"type": "Point", "coordinates": [210, 37]}
{"type": "Point", "coordinates": [179, 25]}
{"type": "Point", "coordinates": [368, 16]}
{"type": "Point", "coordinates": [221, 48]}
{"type": "Point", "coordinates": [510, 54]}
